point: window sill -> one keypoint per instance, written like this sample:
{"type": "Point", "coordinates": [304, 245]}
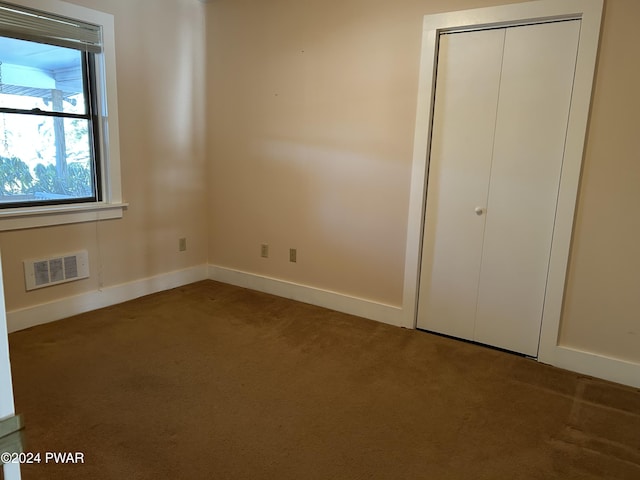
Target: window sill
{"type": "Point", "coordinates": [34, 217]}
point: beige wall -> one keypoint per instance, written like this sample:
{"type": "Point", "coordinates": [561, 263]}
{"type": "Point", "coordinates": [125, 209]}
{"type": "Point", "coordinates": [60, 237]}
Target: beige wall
{"type": "Point", "coordinates": [159, 65]}
{"type": "Point", "coordinates": [310, 142]}
{"type": "Point", "coordinates": [602, 304]}
{"type": "Point", "coordinates": [311, 136]}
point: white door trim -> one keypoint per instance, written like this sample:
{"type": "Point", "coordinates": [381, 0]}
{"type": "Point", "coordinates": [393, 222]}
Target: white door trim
{"type": "Point", "coordinates": [7, 410]}
{"type": "Point", "coordinates": [590, 13]}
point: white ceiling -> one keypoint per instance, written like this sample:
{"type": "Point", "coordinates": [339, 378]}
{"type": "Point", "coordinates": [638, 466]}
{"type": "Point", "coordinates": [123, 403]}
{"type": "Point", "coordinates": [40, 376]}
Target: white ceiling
{"type": "Point", "coordinates": [36, 55]}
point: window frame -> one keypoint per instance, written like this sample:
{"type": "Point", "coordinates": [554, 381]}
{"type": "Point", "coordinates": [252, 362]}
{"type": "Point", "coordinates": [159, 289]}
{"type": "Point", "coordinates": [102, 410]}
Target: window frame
{"type": "Point", "coordinates": [94, 137]}
{"type": "Point", "coordinates": [108, 204]}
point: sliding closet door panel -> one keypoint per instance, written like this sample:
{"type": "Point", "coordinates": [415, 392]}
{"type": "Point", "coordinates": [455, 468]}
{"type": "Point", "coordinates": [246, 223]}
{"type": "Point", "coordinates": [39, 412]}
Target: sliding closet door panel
{"type": "Point", "coordinates": [467, 85]}
{"type": "Point", "coordinates": [533, 109]}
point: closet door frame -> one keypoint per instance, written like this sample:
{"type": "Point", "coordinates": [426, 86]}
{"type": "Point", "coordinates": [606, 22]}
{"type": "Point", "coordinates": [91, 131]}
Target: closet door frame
{"type": "Point", "coordinates": [589, 12]}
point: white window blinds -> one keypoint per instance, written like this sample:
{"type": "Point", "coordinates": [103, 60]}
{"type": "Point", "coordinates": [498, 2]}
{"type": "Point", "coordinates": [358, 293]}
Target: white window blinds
{"type": "Point", "coordinates": [33, 25]}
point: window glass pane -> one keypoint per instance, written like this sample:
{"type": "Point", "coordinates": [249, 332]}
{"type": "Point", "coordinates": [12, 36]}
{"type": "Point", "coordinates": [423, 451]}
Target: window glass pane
{"type": "Point", "coordinates": [44, 158]}
{"type": "Point", "coordinates": [36, 75]}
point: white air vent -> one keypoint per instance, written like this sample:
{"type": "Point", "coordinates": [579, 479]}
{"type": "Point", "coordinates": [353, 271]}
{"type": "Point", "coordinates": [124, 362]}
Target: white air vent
{"type": "Point", "coordinates": [52, 271]}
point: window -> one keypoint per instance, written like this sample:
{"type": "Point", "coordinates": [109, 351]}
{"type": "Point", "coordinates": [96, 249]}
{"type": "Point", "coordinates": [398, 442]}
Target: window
{"type": "Point", "coordinates": [56, 153]}
{"type": "Point", "coordinates": [47, 143]}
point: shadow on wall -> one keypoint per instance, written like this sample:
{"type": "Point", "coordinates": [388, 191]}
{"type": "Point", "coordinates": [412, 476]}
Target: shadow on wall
{"type": "Point", "coordinates": [161, 92]}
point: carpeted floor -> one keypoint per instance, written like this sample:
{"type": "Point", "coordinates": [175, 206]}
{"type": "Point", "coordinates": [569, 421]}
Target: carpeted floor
{"type": "Point", "coordinates": [211, 381]}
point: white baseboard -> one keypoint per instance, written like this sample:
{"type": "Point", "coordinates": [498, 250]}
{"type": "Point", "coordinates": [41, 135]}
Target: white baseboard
{"type": "Point", "coordinates": [595, 365]}
{"type": "Point", "coordinates": [306, 294]}
{"type": "Point", "coordinates": [587, 363]}
{"type": "Point", "coordinates": [69, 306]}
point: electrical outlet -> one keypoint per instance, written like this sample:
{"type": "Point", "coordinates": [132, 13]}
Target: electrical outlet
{"type": "Point", "coordinates": [293, 255]}
{"type": "Point", "coordinates": [182, 244]}
{"type": "Point", "coordinates": [264, 250]}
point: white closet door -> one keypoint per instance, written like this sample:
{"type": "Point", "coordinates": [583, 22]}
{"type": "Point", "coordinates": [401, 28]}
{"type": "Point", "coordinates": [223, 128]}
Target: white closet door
{"type": "Point", "coordinates": [466, 101]}
{"type": "Point", "coordinates": [500, 118]}
{"type": "Point", "coordinates": [533, 111]}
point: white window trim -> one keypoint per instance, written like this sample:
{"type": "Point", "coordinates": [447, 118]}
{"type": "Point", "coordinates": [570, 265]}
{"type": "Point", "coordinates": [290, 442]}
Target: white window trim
{"type": "Point", "coordinates": [111, 205]}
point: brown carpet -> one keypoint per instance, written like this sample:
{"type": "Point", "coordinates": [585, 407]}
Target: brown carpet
{"type": "Point", "coordinates": [211, 381]}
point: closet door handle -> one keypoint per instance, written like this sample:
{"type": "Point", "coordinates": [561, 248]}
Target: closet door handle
{"type": "Point", "coordinates": [479, 211]}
